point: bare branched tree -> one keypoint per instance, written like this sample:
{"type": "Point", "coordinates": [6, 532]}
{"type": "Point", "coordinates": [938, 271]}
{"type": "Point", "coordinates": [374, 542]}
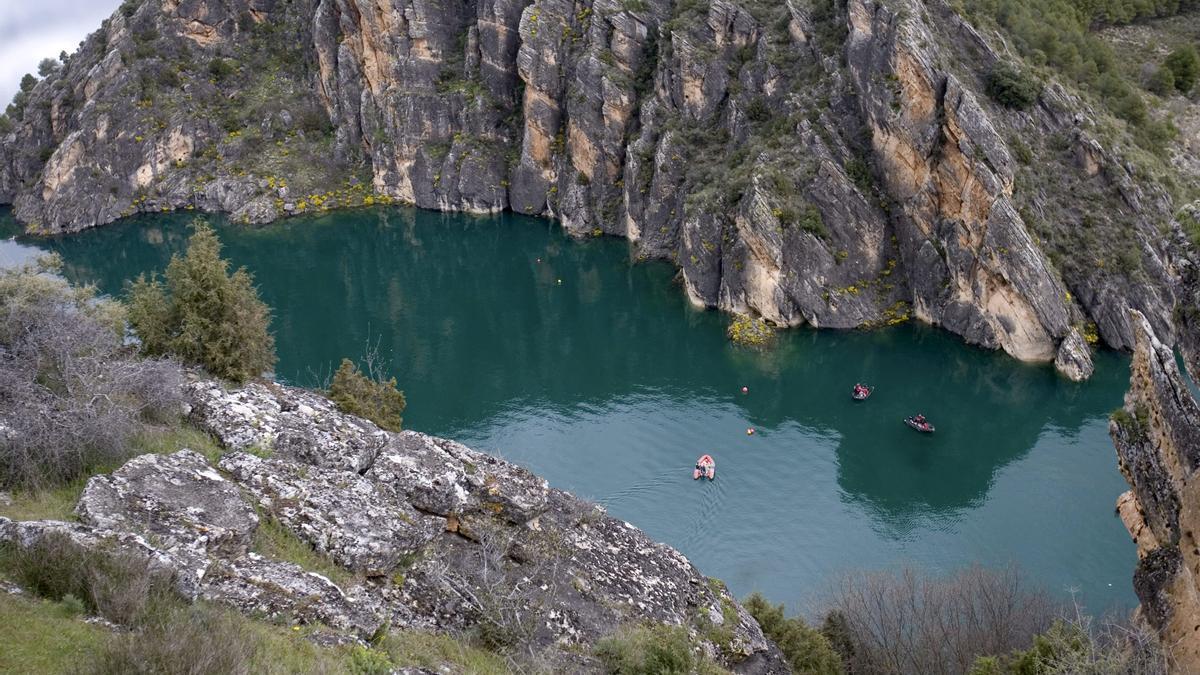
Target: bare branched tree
{"type": "Point", "coordinates": [906, 623]}
{"type": "Point", "coordinates": [71, 393]}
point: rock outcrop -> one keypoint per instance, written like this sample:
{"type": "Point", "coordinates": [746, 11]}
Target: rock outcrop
{"type": "Point", "coordinates": [830, 164]}
{"type": "Point", "coordinates": [1157, 436]}
{"type": "Point", "coordinates": [431, 535]}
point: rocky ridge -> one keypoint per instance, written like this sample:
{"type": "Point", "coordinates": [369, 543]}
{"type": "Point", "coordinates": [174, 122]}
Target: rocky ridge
{"type": "Point", "coordinates": [1157, 437]}
{"type": "Point", "coordinates": [433, 535]}
{"type": "Point", "coordinates": [808, 162]}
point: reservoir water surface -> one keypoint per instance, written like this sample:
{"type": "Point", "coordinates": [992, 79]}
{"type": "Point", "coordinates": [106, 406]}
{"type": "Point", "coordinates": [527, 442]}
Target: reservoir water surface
{"type": "Point", "coordinates": [594, 371]}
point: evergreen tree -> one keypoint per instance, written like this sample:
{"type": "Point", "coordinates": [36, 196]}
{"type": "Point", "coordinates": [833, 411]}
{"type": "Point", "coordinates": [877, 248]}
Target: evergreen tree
{"type": "Point", "coordinates": [204, 315]}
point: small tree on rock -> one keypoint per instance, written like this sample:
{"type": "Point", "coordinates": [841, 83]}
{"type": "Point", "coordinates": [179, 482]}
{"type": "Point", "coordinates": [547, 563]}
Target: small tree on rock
{"type": "Point", "coordinates": [1012, 87]}
{"type": "Point", "coordinates": [369, 396]}
{"type": "Point", "coordinates": [204, 315]}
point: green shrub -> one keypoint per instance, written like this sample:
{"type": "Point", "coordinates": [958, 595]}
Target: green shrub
{"type": "Point", "coordinates": [1184, 65]}
{"type": "Point", "coordinates": [372, 398]}
{"type": "Point", "coordinates": [1162, 82]}
{"type": "Point", "coordinates": [367, 661]}
{"type": "Point", "coordinates": [204, 315]}
{"type": "Point", "coordinates": [1011, 87]}
{"type": "Point", "coordinates": [806, 649]}
{"type": "Point", "coordinates": [658, 650]}
{"type": "Point", "coordinates": [811, 221]}
{"type": "Point", "coordinates": [1075, 646]}
{"type": "Point", "coordinates": [749, 331]}
{"type": "Point", "coordinates": [221, 68]}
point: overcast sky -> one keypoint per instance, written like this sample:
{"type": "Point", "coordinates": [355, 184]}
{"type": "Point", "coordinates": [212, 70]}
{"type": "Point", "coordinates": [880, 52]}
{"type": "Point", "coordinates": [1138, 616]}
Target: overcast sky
{"type": "Point", "coordinates": [31, 30]}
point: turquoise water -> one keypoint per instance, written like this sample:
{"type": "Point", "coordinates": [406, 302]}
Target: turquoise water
{"type": "Point", "coordinates": [610, 385]}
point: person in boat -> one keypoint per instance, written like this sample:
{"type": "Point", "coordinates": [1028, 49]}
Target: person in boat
{"type": "Point", "coordinates": [860, 389]}
{"type": "Point", "coordinates": [920, 419]}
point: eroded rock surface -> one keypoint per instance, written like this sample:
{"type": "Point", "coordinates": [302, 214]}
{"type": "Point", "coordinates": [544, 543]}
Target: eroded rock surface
{"type": "Point", "coordinates": [839, 168]}
{"type": "Point", "coordinates": [177, 500]}
{"type": "Point", "coordinates": [431, 535]}
{"type": "Point", "coordinates": [338, 513]}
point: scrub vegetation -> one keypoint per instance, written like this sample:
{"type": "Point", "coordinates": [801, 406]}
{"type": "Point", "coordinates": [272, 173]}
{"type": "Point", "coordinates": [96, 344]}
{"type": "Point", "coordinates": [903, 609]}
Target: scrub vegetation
{"type": "Point", "coordinates": [369, 395]}
{"type": "Point", "coordinates": [747, 331]}
{"type": "Point", "coordinates": [73, 395]}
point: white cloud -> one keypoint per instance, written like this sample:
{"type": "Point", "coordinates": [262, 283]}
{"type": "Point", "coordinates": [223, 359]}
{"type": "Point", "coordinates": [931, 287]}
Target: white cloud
{"type": "Point", "coordinates": [33, 30]}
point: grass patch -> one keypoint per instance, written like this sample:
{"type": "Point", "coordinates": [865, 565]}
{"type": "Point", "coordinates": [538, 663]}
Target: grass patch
{"type": "Point", "coordinates": [58, 503]}
{"type": "Point", "coordinates": [49, 504]}
{"type": "Point", "coordinates": [433, 651]}
{"type": "Point", "coordinates": [273, 540]}
{"type": "Point", "coordinates": [43, 637]}
{"type": "Point", "coordinates": [165, 440]}
{"type": "Point", "coordinates": [653, 650]}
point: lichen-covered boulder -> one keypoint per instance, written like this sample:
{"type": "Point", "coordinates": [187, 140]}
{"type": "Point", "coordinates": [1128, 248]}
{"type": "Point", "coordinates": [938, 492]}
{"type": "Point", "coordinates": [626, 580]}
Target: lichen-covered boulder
{"type": "Point", "coordinates": [258, 586]}
{"type": "Point", "coordinates": [178, 500]}
{"type": "Point", "coordinates": [291, 423]}
{"type": "Point", "coordinates": [339, 513]}
{"type": "Point", "coordinates": [447, 478]}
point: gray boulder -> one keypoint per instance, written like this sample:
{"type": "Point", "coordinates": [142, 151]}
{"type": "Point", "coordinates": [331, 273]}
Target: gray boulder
{"type": "Point", "coordinates": [177, 500]}
{"type": "Point", "coordinates": [1074, 358]}
{"type": "Point", "coordinates": [296, 424]}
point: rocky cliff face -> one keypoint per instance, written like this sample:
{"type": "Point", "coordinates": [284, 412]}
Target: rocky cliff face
{"type": "Point", "coordinates": [1157, 435]}
{"type": "Point", "coordinates": [828, 163]}
{"type": "Point", "coordinates": [434, 536]}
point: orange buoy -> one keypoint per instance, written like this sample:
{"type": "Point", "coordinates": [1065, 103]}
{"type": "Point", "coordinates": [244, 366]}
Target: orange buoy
{"type": "Point", "coordinates": [750, 431]}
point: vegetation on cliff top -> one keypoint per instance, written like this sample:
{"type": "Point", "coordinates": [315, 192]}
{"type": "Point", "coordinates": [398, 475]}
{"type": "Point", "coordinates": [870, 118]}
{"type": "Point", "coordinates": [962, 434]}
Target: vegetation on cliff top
{"type": "Point", "coordinates": [204, 315]}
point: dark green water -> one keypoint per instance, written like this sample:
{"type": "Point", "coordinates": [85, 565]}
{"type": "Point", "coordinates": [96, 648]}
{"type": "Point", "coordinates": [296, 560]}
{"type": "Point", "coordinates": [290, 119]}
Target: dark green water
{"type": "Point", "coordinates": [610, 385]}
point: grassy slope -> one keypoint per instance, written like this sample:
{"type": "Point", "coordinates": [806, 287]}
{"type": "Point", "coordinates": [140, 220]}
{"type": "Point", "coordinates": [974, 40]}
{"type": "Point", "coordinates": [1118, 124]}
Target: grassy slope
{"type": "Point", "coordinates": [41, 637]}
{"type": "Point", "coordinates": [59, 503]}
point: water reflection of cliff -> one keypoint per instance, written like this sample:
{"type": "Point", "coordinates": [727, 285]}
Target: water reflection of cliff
{"type": "Point", "coordinates": [473, 323]}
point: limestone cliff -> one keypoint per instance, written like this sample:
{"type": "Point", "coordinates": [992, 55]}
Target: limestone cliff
{"type": "Point", "coordinates": [828, 163]}
{"type": "Point", "coordinates": [1157, 436]}
{"type": "Point", "coordinates": [432, 535]}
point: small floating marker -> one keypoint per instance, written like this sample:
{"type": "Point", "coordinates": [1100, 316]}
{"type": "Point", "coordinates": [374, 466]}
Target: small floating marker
{"type": "Point", "coordinates": [750, 431]}
{"type": "Point", "coordinates": [539, 260]}
{"type": "Point", "coordinates": [745, 390]}
{"type": "Point", "coordinates": [560, 282]}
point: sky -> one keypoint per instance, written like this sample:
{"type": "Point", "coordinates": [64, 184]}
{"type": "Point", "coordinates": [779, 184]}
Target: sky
{"type": "Point", "coordinates": [31, 30]}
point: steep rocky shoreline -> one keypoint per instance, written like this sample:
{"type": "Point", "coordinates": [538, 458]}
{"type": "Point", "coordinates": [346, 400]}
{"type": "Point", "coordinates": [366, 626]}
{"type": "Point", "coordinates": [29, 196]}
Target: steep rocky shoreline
{"type": "Point", "coordinates": [812, 164]}
{"type": "Point", "coordinates": [1157, 436]}
{"type": "Point", "coordinates": [434, 535]}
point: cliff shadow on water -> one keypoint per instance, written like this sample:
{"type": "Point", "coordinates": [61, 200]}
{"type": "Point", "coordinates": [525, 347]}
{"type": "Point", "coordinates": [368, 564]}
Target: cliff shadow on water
{"type": "Point", "coordinates": [595, 372]}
